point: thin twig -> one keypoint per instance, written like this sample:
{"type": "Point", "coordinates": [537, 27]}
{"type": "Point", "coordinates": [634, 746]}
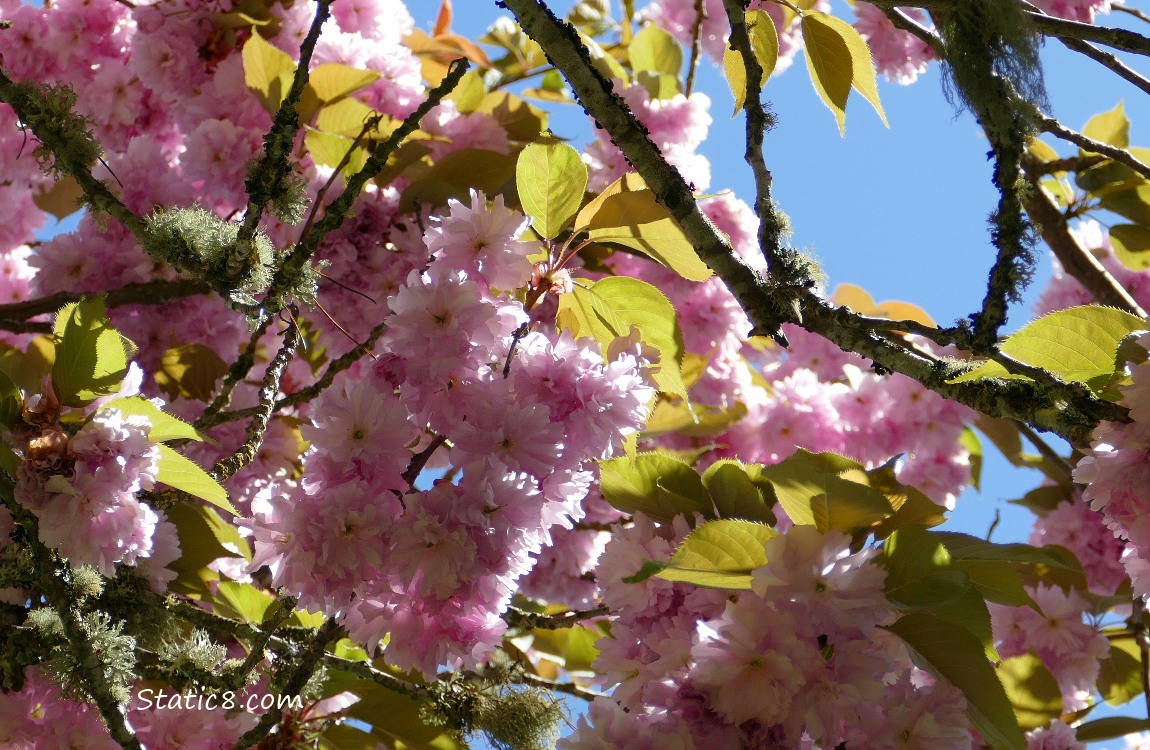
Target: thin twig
{"type": "Point", "coordinates": [1120, 155]}
{"type": "Point", "coordinates": [239, 677]}
{"type": "Point", "coordinates": [1057, 461]}
{"type": "Point", "coordinates": [419, 460]}
{"type": "Point", "coordinates": [150, 293]}
{"type": "Point", "coordinates": [334, 368]}
{"type": "Point", "coordinates": [696, 32]}
{"type": "Point", "coordinates": [1065, 29]}
{"type": "Point", "coordinates": [1077, 261]}
{"type": "Point", "coordinates": [519, 618]}
{"type": "Point", "coordinates": [1123, 8]}
{"type": "Point", "coordinates": [301, 254]}
{"type": "Point", "coordinates": [274, 169]}
{"type": "Point", "coordinates": [301, 672]}
{"type": "Point", "coordinates": [244, 455]}
{"type": "Point", "coordinates": [568, 688]}
{"type": "Point", "coordinates": [1110, 61]}
{"type": "Point", "coordinates": [236, 373]}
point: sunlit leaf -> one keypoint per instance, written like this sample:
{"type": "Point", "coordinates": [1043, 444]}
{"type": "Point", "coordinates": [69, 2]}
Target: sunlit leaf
{"type": "Point", "coordinates": [838, 59]}
{"type": "Point", "coordinates": [1111, 127]}
{"type": "Point", "coordinates": [551, 178]}
{"type": "Point", "coordinates": [184, 474]}
{"type": "Point", "coordinates": [635, 486]}
{"type": "Point", "coordinates": [91, 355]}
{"type": "Point", "coordinates": [720, 554]}
{"type": "Point", "coordinates": [655, 50]}
{"type": "Point", "coordinates": [1031, 689]}
{"type": "Point", "coordinates": [1077, 344]}
{"type": "Point", "coordinates": [164, 426]}
{"type": "Point", "coordinates": [627, 213]}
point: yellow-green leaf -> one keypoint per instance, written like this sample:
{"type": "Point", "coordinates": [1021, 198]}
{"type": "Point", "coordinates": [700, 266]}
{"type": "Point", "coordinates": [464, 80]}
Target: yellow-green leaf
{"type": "Point", "coordinates": [91, 355]}
{"type": "Point", "coordinates": [329, 150]}
{"type": "Point", "coordinates": [812, 493]}
{"type": "Point", "coordinates": [1131, 243]}
{"type": "Point", "coordinates": [655, 484]}
{"type": "Point", "coordinates": [349, 116]}
{"type": "Point", "coordinates": [190, 371]}
{"type": "Point", "coordinates": [1078, 344]}
{"type": "Point", "coordinates": [655, 50]}
{"type": "Point", "coordinates": [838, 59]}
{"type": "Point", "coordinates": [456, 174]}
{"type": "Point", "coordinates": [1031, 689]}
{"type": "Point", "coordinates": [1120, 675]}
{"type": "Point", "coordinates": [266, 71]}
{"type": "Point", "coordinates": [551, 178]}
{"type": "Point", "coordinates": [720, 554]}
{"type": "Point", "coordinates": [627, 213]}
{"type": "Point", "coordinates": [608, 310]}
{"type": "Point", "coordinates": [164, 426]}
{"type": "Point", "coordinates": [765, 45]}
{"type": "Point", "coordinates": [1111, 127]}
{"type": "Point", "coordinates": [184, 474]}
{"type": "Point", "coordinates": [735, 495]}
{"type": "Point", "coordinates": [954, 654]}
{"type": "Point", "coordinates": [333, 81]}
{"type": "Point", "coordinates": [245, 600]}
{"type": "Point", "coordinates": [695, 420]}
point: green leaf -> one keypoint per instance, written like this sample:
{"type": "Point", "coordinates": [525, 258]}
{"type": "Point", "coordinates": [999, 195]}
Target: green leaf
{"type": "Point", "coordinates": [456, 174]}
{"type": "Point", "coordinates": [574, 648]}
{"type": "Point", "coordinates": [395, 719]}
{"type": "Point", "coordinates": [91, 355]}
{"type": "Point", "coordinates": [634, 487]}
{"type": "Point", "coordinates": [735, 495]}
{"type": "Point", "coordinates": [552, 179]}
{"type": "Point", "coordinates": [331, 82]}
{"type": "Point", "coordinates": [1120, 675]}
{"type": "Point", "coordinates": [1078, 344]}
{"type": "Point", "coordinates": [1031, 689]}
{"type": "Point", "coordinates": [627, 213]}
{"type": "Point", "coordinates": [967, 547]}
{"type": "Point", "coordinates": [521, 120]}
{"type": "Point", "coordinates": [470, 92]}
{"type": "Point", "coordinates": [649, 568]}
{"type": "Point", "coordinates": [764, 39]}
{"type": "Point", "coordinates": [1131, 243]}
{"type": "Point", "coordinates": [190, 371]}
{"type": "Point", "coordinates": [812, 493]}
{"type": "Point", "coordinates": [349, 116]}
{"type": "Point", "coordinates": [608, 310]}
{"type": "Point", "coordinates": [954, 654]}
{"type": "Point", "coordinates": [655, 50]}
{"type": "Point", "coordinates": [973, 445]}
{"type": "Point", "coordinates": [1132, 203]}
{"type": "Point", "coordinates": [250, 603]}
{"type": "Point", "coordinates": [720, 554]}
{"type": "Point", "coordinates": [329, 150]}
{"type": "Point", "coordinates": [1110, 728]}
{"type": "Point", "coordinates": [838, 59]}
{"type": "Point", "coordinates": [919, 573]}
{"type": "Point", "coordinates": [202, 534]}
{"type": "Point", "coordinates": [1042, 500]}
{"type": "Point", "coordinates": [164, 426]}
{"type": "Point", "coordinates": [911, 506]}
{"type": "Point", "coordinates": [996, 580]}
{"type": "Point", "coordinates": [693, 420]}
{"type": "Point", "coordinates": [1111, 127]}
{"type": "Point", "coordinates": [267, 70]}
{"type": "Point", "coordinates": [184, 474]}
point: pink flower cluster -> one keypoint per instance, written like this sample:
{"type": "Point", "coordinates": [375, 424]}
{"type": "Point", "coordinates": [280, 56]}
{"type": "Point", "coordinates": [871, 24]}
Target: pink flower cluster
{"type": "Point", "coordinates": [1082, 530]}
{"type": "Point", "coordinates": [1069, 647]}
{"type": "Point", "coordinates": [1075, 10]}
{"type": "Point", "coordinates": [898, 55]}
{"type": "Point", "coordinates": [798, 661]}
{"type": "Point", "coordinates": [1116, 473]}
{"type": "Point", "coordinates": [435, 569]}
{"type": "Point", "coordinates": [82, 489]}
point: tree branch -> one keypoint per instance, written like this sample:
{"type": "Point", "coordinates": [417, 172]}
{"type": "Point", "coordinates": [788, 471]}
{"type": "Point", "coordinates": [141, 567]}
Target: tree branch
{"type": "Point", "coordinates": [1027, 402]}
